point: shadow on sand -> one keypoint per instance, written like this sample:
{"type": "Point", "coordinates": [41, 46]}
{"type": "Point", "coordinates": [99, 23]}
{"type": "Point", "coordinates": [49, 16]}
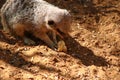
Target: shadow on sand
{"type": "Point", "coordinates": [84, 54]}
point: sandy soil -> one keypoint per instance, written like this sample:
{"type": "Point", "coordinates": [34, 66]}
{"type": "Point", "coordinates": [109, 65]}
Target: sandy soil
{"type": "Point", "coordinates": [93, 47]}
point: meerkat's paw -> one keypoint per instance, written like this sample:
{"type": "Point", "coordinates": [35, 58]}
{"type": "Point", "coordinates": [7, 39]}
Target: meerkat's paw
{"type": "Point", "coordinates": [28, 41]}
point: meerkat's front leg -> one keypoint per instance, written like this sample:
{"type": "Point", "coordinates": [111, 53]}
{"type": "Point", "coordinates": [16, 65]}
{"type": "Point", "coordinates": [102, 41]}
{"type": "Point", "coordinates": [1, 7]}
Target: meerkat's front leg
{"type": "Point", "coordinates": [54, 37]}
{"type": "Point", "coordinates": [4, 23]}
{"type": "Point", "coordinates": [54, 34]}
{"type": "Point", "coordinates": [44, 37]}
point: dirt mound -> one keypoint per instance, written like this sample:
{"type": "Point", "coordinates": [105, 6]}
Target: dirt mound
{"type": "Point", "coordinates": [93, 47]}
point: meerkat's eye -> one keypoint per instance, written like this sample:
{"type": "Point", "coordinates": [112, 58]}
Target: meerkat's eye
{"type": "Point", "coordinates": [51, 22]}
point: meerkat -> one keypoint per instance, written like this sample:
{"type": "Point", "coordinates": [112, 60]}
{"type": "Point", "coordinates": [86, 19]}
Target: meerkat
{"type": "Point", "coordinates": [37, 17]}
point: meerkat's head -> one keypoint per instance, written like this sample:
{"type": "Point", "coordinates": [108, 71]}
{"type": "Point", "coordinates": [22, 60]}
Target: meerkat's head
{"type": "Point", "coordinates": [59, 20]}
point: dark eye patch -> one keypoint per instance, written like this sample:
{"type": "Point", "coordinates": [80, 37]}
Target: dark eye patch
{"type": "Point", "coordinates": [51, 22]}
